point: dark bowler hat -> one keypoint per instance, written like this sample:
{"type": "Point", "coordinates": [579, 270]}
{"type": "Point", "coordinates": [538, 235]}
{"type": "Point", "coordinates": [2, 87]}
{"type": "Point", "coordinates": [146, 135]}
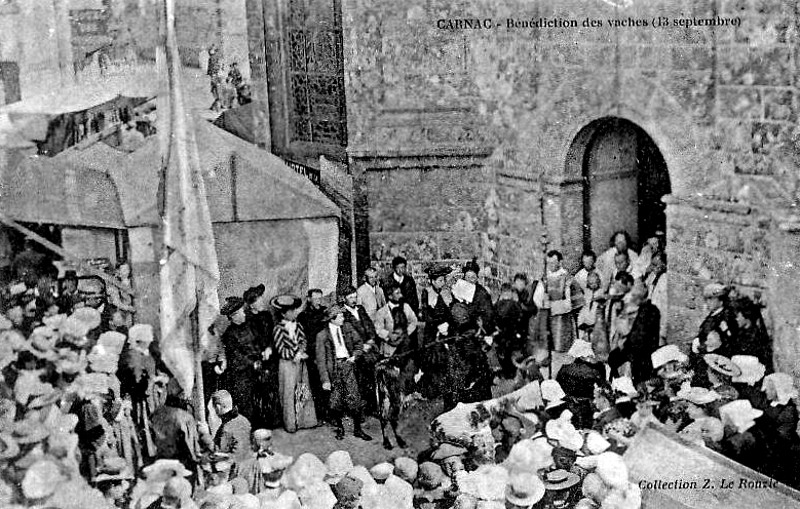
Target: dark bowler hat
{"type": "Point", "coordinates": [232, 305]}
{"type": "Point", "coordinates": [286, 302]}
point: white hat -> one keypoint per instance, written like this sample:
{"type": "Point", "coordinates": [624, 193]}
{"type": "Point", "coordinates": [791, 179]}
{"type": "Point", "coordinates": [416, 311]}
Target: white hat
{"type": "Point", "coordinates": [564, 432]}
{"type": "Point", "coordinates": [369, 486]}
{"type": "Point", "coordinates": [783, 384]}
{"type": "Point", "coordinates": [338, 464]}
{"type": "Point", "coordinates": [612, 469]}
{"type": "Point", "coordinates": [381, 471]}
{"type": "Point", "coordinates": [667, 353]}
{"type": "Point", "coordinates": [624, 384]}
{"type": "Point", "coordinates": [552, 391]}
{"type": "Point", "coordinates": [141, 334]}
{"type": "Point", "coordinates": [307, 470]}
{"type": "Point", "coordinates": [463, 290]}
{"type": "Point", "coordinates": [705, 428]}
{"type": "Point", "coordinates": [317, 495]}
{"type": "Point", "coordinates": [287, 500]}
{"type": "Point", "coordinates": [752, 369]}
{"type": "Point", "coordinates": [596, 443]}
{"type": "Point", "coordinates": [697, 395]}
{"type": "Point", "coordinates": [529, 456]}
{"type": "Point", "coordinates": [524, 489]}
{"type": "Point", "coordinates": [580, 349]}
{"type": "Point", "coordinates": [739, 414]}
{"type": "Point", "coordinates": [488, 482]}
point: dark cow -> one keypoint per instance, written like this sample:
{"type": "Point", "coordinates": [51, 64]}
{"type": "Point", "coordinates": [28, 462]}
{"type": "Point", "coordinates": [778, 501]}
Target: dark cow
{"type": "Point", "coordinates": [389, 390]}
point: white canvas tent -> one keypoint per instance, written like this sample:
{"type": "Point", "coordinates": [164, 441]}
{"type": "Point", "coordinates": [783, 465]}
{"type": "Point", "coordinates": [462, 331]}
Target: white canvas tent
{"type": "Point", "coordinates": [271, 225]}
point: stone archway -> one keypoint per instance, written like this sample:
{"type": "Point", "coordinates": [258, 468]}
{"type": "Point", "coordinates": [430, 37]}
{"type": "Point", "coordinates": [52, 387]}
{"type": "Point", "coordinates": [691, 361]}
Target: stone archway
{"type": "Point", "coordinates": [617, 177]}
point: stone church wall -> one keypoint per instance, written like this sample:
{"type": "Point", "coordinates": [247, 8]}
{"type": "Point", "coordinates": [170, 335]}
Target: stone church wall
{"type": "Point", "coordinates": [719, 103]}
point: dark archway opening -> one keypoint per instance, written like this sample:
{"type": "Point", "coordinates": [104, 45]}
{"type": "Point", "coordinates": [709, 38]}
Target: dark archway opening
{"type": "Point", "coordinates": [624, 178]}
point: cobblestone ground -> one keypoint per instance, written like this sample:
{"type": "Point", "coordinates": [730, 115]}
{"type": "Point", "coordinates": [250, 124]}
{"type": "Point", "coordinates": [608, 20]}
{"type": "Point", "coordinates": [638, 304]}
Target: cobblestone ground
{"type": "Point", "coordinates": [413, 428]}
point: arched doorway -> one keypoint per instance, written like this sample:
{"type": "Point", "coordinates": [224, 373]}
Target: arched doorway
{"type": "Point", "coordinates": [624, 176]}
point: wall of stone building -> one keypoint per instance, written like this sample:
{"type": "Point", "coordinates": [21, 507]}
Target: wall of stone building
{"type": "Point", "coordinates": [718, 103]}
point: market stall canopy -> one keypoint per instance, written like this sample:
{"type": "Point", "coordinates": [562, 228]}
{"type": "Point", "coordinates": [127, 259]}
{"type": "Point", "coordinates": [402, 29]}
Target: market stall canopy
{"type": "Point", "coordinates": [58, 191]}
{"type": "Point", "coordinates": [243, 182]}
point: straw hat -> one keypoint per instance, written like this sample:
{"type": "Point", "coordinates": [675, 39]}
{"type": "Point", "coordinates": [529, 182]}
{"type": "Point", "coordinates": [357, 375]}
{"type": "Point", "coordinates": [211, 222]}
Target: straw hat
{"type": "Point", "coordinates": [406, 468]}
{"type": "Point", "coordinates": [624, 385]}
{"type": "Point", "coordinates": [697, 395]}
{"type": "Point", "coordinates": [722, 365]}
{"type": "Point", "coordinates": [89, 316]}
{"type": "Point", "coordinates": [667, 353]}
{"type": "Point", "coordinates": [338, 464]}
{"type": "Point", "coordinates": [524, 489]}
{"type": "Point", "coordinates": [558, 480]}
{"type": "Point", "coordinates": [113, 469]}
{"type": "Point", "coordinates": [751, 367]}
{"type": "Point", "coordinates": [286, 302]}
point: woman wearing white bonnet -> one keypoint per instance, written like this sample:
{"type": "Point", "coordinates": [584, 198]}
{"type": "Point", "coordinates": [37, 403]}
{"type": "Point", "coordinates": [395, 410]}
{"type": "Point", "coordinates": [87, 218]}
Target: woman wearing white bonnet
{"type": "Point", "coordinates": [740, 443]}
{"type": "Point", "coordinates": [781, 418]}
{"type": "Point", "coordinates": [578, 379]}
{"type": "Point", "coordinates": [748, 382]}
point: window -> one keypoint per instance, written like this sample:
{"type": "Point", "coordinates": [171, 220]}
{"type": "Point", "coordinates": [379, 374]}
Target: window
{"type": "Point", "coordinates": [315, 72]}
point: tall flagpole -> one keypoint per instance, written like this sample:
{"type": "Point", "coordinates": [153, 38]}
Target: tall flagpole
{"type": "Point", "coordinates": [189, 266]}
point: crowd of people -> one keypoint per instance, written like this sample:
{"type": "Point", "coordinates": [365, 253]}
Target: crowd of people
{"type": "Point", "coordinates": [84, 393]}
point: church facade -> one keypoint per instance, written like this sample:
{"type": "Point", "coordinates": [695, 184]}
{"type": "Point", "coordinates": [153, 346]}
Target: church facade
{"type": "Point", "coordinates": [570, 121]}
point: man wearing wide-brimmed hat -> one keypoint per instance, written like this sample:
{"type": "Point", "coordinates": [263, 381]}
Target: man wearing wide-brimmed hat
{"type": "Point", "coordinates": [338, 350]}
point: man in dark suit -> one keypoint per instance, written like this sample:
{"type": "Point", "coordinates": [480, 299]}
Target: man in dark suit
{"type": "Point", "coordinates": [408, 287]}
{"type": "Point", "coordinates": [358, 322]}
{"type": "Point", "coordinates": [643, 320]}
{"type": "Point", "coordinates": [338, 349]}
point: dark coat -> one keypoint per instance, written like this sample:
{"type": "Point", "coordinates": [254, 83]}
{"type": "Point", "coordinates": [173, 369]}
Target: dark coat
{"type": "Point", "coordinates": [326, 352]}
{"type": "Point", "coordinates": [241, 348]}
{"type": "Point", "coordinates": [408, 288]}
{"type": "Point", "coordinates": [434, 316]}
{"type": "Point", "coordinates": [312, 321]}
{"type": "Point", "coordinates": [579, 378]}
{"type": "Point", "coordinates": [362, 326]}
{"type": "Point", "coordinates": [482, 307]}
{"type": "Point", "coordinates": [642, 341]}
{"type": "Point", "coordinates": [233, 436]}
{"type": "Point", "coordinates": [261, 324]}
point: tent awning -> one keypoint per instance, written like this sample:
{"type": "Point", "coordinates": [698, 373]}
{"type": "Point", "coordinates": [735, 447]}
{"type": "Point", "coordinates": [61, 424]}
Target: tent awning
{"type": "Point", "coordinates": [243, 182]}
{"type": "Point", "coordinates": [54, 191]}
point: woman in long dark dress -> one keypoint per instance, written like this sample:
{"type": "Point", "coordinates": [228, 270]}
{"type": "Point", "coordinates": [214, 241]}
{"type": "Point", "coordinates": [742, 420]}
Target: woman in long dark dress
{"type": "Point", "coordinates": [243, 355]}
{"type": "Point", "coordinates": [267, 402]}
{"type": "Point", "coordinates": [780, 426]}
{"type": "Point", "coordinates": [435, 310]}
